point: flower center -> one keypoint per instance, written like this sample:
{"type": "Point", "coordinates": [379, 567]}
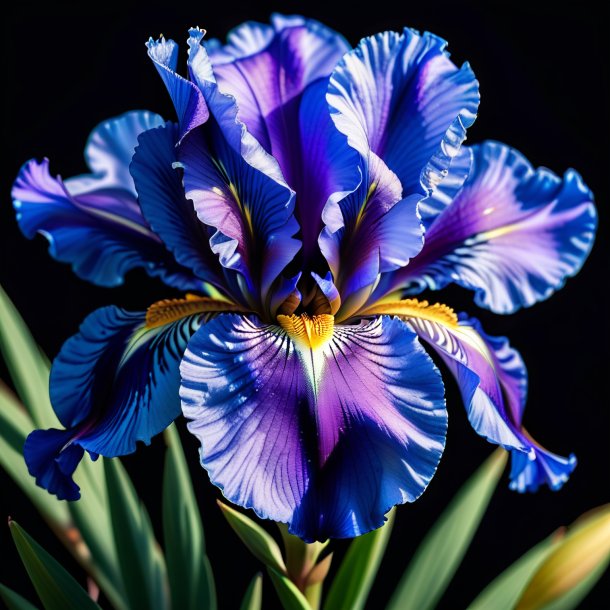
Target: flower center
{"type": "Point", "coordinates": [308, 332]}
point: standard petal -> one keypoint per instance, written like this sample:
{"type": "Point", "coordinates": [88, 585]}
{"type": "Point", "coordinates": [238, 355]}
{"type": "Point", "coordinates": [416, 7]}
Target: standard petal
{"type": "Point", "coordinates": [267, 68]}
{"type": "Point", "coordinates": [513, 234]}
{"type": "Point", "coordinates": [326, 438]}
{"type": "Point", "coordinates": [188, 100]}
{"type": "Point", "coordinates": [164, 205]}
{"type": "Point", "coordinates": [279, 76]}
{"type": "Point", "coordinates": [113, 384]}
{"type": "Point", "coordinates": [379, 231]}
{"type": "Point", "coordinates": [401, 97]}
{"type": "Point", "coordinates": [493, 381]}
{"type": "Point", "coordinates": [94, 222]}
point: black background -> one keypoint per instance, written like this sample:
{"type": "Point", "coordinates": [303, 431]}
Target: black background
{"type": "Point", "coordinates": [544, 86]}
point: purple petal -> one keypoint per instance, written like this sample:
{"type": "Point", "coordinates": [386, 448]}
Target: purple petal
{"type": "Point", "coordinates": [93, 221]}
{"type": "Point", "coordinates": [114, 384]}
{"type": "Point", "coordinates": [400, 96]}
{"type": "Point", "coordinates": [493, 381]}
{"type": "Point", "coordinates": [513, 234]}
{"type": "Point", "coordinates": [188, 100]}
{"type": "Point", "coordinates": [325, 438]}
{"type": "Point", "coordinates": [267, 68]}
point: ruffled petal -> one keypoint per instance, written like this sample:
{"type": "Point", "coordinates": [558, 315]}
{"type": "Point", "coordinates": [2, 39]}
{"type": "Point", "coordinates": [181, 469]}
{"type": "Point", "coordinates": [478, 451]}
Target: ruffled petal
{"type": "Point", "coordinates": [379, 231]}
{"type": "Point", "coordinates": [237, 188]}
{"type": "Point", "coordinates": [279, 76]}
{"type": "Point", "coordinates": [401, 97]}
{"type": "Point", "coordinates": [326, 435]}
{"type": "Point", "coordinates": [493, 381]}
{"type": "Point", "coordinates": [165, 207]}
{"type": "Point", "coordinates": [188, 100]}
{"type": "Point", "coordinates": [113, 384]}
{"type": "Point", "coordinates": [513, 234]}
{"type": "Point", "coordinates": [94, 222]}
{"type": "Point", "coordinates": [267, 68]}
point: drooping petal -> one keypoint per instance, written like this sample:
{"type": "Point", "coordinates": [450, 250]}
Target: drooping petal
{"type": "Point", "coordinates": [113, 384]}
{"type": "Point", "coordinates": [165, 207]}
{"type": "Point", "coordinates": [322, 428]}
{"type": "Point", "coordinates": [493, 381]}
{"type": "Point", "coordinates": [513, 234]}
{"type": "Point", "coordinates": [401, 97]}
{"type": "Point", "coordinates": [93, 222]}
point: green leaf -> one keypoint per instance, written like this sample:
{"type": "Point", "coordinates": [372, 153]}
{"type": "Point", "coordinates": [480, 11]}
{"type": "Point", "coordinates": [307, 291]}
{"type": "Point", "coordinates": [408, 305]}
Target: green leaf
{"type": "Point", "coordinates": [91, 516]}
{"type": "Point", "coordinates": [351, 585]}
{"type": "Point", "coordinates": [55, 587]}
{"type": "Point", "coordinates": [188, 567]}
{"type": "Point", "coordinates": [290, 596]}
{"type": "Point", "coordinates": [444, 546]}
{"type": "Point", "coordinates": [504, 591]}
{"type": "Point", "coordinates": [256, 539]}
{"type": "Point", "coordinates": [140, 559]}
{"type": "Point", "coordinates": [573, 567]}
{"type": "Point", "coordinates": [15, 425]}
{"type": "Point", "coordinates": [253, 599]}
{"type": "Point", "coordinates": [28, 367]}
{"type": "Point", "coordinates": [13, 600]}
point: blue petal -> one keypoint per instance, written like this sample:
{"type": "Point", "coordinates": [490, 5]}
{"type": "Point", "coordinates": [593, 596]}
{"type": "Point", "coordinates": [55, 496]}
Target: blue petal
{"type": "Point", "coordinates": [113, 384]}
{"type": "Point", "coordinates": [188, 101]}
{"type": "Point", "coordinates": [326, 439]}
{"type": "Point", "coordinates": [545, 468]}
{"type": "Point", "coordinates": [493, 381]}
{"type": "Point", "coordinates": [52, 458]}
{"type": "Point", "coordinates": [165, 207]}
{"type": "Point", "coordinates": [94, 222]}
{"type": "Point", "coordinates": [513, 234]}
{"type": "Point", "coordinates": [401, 97]}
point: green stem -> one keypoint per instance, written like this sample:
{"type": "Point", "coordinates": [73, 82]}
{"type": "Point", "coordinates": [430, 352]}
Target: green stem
{"type": "Point", "coordinates": [313, 594]}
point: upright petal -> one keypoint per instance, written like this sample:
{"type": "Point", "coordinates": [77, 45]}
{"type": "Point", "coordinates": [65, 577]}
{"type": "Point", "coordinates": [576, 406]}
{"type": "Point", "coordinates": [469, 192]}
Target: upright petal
{"type": "Point", "coordinates": [401, 97]}
{"type": "Point", "coordinates": [93, 221]}
{"type": "Point", "coordinates": [379, 231]}
{"type": "Point", "coordinates": [493, 381]}
{"type": "Point", "coordinates": [513, 234]}
{"type": "Point", "coordinates": [188, 100]}
{"type": "Point", "coordinates": [322, 428]}
{"type": "Point", "coordinates": [166, 208]}
{"type": "Point", "coordinates": [238, 189]}
{"type": "Point", "coordinates": [267, 68]}
{"type": "Point", "coordinates": [113, 384]}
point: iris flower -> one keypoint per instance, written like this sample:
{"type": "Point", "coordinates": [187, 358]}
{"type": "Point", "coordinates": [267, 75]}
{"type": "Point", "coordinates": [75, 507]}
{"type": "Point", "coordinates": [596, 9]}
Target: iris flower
{"type": "Point", "coordinates": [305, 195]}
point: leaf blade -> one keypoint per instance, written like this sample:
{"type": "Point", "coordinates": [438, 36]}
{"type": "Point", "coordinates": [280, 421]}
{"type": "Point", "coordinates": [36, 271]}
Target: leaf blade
{"type": "Point", "coordinates": [56, 588]}
{"type": "Point", "coordinates": [28, 367]}
{"type": "Point", "coordinates": [290, 596]}
{"type": "Point", "coordinates": [255, 538]}
{"type": "Point", "coordinates": [13, 600]}
{"type": "Point", "coordinates": [253, 597]}
{"type": "Point", "coordinates": [353, 582]}
{"type": "Point", "coordinates": [504, 591]}
{"type": "Point", "coordinates": [188, 567]}
{"type": "Point", "coordinates": [140, 560]}
{"type": "Point", "coordinates": [441, 551]}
